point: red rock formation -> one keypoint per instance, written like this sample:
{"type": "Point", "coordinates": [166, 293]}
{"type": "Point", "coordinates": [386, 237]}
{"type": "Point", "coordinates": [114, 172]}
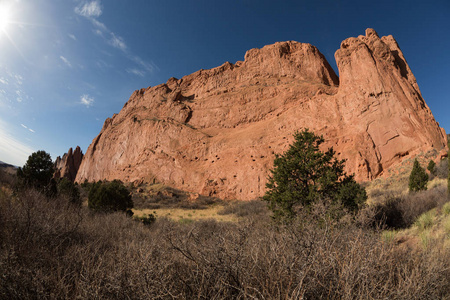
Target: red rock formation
{"type": "Point", "coordinates": [68, 165]}
{"type": "Point", "coordinates": [215, 131]}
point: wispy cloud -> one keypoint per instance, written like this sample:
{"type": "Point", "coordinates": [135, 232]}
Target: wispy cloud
{"type": "Point", "coordinates": [92, 10]}
{"type": "Point", "coordinates": [29, 129]}
{"type": "Point", "coordinates": [86, 100]}
{"type": "Point", "coordinates": [66, 61]}
{"type": "Point", "coordinates": [73, 37]}
{"type": "Point", "coordinates": [11, 150]}
{"type": "Point", "coordinates": [117, 42]}
{"type": "Point", "coordinates": [89, 9]}
{"type": "Point", "coordinates": [136, 72]}
{"type": "Point", "coordinates": [19, 94]}
{"type": "Point", "coordinates": [19, 79]}
{"type": "Point", "coordinates": [4, 81]}
{"type": "Point", "coordinates": [99, 24]}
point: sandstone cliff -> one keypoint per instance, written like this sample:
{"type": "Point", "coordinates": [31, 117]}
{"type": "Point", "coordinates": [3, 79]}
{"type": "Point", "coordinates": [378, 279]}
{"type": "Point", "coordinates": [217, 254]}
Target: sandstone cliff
{"type": "Point", "coordinates": [68, 165]}
{"type": "Point", "coordinates": [215, 131]}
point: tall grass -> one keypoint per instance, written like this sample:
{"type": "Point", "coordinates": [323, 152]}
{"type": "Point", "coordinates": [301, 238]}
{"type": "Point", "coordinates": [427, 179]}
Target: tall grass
{"type": "Point", "coordinates": [51, 249]}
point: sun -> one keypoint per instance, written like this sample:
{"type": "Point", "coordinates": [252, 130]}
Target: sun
{"type": "Point", "coordinates": [5, 16]}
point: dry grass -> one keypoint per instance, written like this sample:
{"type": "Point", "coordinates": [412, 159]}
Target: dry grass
{"type": "Point", "coordinates": [50, 249]}
{"type": "Point", "coordinates": [395, 181]}
{"type": "Point", "coordinates": [187, 215]}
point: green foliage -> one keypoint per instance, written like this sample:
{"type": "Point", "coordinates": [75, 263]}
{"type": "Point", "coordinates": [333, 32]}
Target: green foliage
{"type": "Point", "coordinates": [37, 173]}
{"type": "Point", "coordinates": [432, 167]}
{"type": "Point", "coordinates": [109, 196]}
{"type": "Point", "coordinates": [418, 178]}
{"type": "Point", "coordinates": [69, 189]}
{"type": "Point", "coordinates": [304, 175]}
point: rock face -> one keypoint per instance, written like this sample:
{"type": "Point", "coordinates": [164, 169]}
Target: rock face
{"type": "Point", "coordinates": [215, 132]}
{"type": "Point", "coordinates": [68, 165]}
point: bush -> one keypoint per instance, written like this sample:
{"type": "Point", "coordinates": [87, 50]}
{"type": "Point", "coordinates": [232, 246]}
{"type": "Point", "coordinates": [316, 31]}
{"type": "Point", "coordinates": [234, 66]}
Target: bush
{"type": "Point", "coordinates": [147, 219]}
{"type": "Point", "coordinates": [109, 196]}
{"type": "Point", "coordinates": [403, 211]}
{"type": "Point", "coordinates": [304, 174]}
{"type": "Point", "coordinates": [431, 167]}
{"type": "Point", "coordinates": [69, 189]}
{"type": "Point", "coordinates": [425, 221]}
{"type": "Point", "coordinates": [446, 209]}
{"type": "Point", "coordinates": [418, 179]}
{"type": "Point", "coordinates": [51, 250]}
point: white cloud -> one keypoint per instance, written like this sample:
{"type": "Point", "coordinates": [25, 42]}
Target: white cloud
{"type": "Point", "coordinates": [149, 67]}
{"type": "Point", "coordinates": [19, 96]}
{"type": "Point", "coordinates": [99, 25]}
{"type": "Point", "coordinates": [24, 126]}
{"type": "Point", "coordinates": [73, 37]}
{"type": "Point", "coordinates": [89, 9]}
{"type": "Point", "coordinates": [66, 61]}
{"type": "Point", "coordinates": [31, 130]}
{"type": "Point", "coordinates": [86, 100]}
{"type": "Point", "coordinates": [117, 41]}
{"type": "Point", "coordinates": [11, 150]}
{"type": "Point", "coordinates": [19, 79]}
{"type": "Point", "coordinates": [136, 72]}
{"type": "Point", "coordinates": [4, 81]}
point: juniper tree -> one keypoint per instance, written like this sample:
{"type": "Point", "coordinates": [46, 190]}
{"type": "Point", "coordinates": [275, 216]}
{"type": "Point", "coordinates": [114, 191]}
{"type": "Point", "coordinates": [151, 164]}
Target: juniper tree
{"type": "Point", "coordinates": [418, 178]}
{"type": "Point", "coordinates": [304, 174]}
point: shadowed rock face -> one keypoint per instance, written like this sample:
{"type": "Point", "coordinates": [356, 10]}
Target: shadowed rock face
{"type": "Point", "coordinates": [68, 165]}
{"type": "Point", "coordinates": [215, 132]}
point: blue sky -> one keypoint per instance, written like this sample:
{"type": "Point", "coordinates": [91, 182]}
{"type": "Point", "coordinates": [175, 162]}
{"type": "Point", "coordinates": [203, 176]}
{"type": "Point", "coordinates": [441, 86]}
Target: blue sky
{"type": "Point", "coordinates": [67, 65]}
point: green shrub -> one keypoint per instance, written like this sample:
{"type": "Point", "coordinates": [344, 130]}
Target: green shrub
{"type": "Point", "coordinates": [69, 189]}
{"type": "Point", "coordinates": [418, 179]}
{"type": "Point", "coordinates": [425, 221]}
{"type": "Point", "coordinates": [431, 167]}
{"type": "Point", "coordinates": [304, 175]}
{"type": "Point", "coordinates": [446, 209]}
{"type": "Point", "coordinates": [109, 196]}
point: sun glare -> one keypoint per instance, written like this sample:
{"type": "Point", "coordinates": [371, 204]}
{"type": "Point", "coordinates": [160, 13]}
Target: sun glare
{"type": "Point", "coordinates": [5, 15]}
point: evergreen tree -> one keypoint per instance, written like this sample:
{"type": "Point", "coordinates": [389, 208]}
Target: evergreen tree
{"type": "Point", "coordinates": [38, 172]}
{"type": "Point", "coordinates": [304, 174]}
{"type": "Point", "coordinates": [418, 178]}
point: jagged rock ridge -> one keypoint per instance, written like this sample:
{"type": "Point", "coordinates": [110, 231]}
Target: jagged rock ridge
{"type": "Point", "coordinates": [215, 132]}
{"type": "Point", "coordinates": [68, 165]}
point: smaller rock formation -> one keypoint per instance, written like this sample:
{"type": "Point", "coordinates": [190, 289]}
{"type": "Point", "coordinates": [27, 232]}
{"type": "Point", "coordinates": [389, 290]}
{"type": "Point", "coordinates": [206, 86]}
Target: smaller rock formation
{"type": "Point", "coordinates": [68, 165]}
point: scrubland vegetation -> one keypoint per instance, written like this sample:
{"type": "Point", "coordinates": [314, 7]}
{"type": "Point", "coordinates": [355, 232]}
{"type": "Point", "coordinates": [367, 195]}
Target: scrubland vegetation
{"type": "Point", "coordinates": [51, 248]}
{"type": "Point", "coordinates": [398, 247]}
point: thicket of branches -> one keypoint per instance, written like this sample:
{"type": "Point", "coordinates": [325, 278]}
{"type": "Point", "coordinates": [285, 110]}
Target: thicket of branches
{"type": "Point", "coordinates": [51, 248]}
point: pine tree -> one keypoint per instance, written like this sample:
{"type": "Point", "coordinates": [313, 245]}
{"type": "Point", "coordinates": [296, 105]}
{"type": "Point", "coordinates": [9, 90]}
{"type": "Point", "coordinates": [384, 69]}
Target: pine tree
{"type": "Point", "coordinates": [418, 178]}
{"type": "Point", "coordinates": [304, 174]}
